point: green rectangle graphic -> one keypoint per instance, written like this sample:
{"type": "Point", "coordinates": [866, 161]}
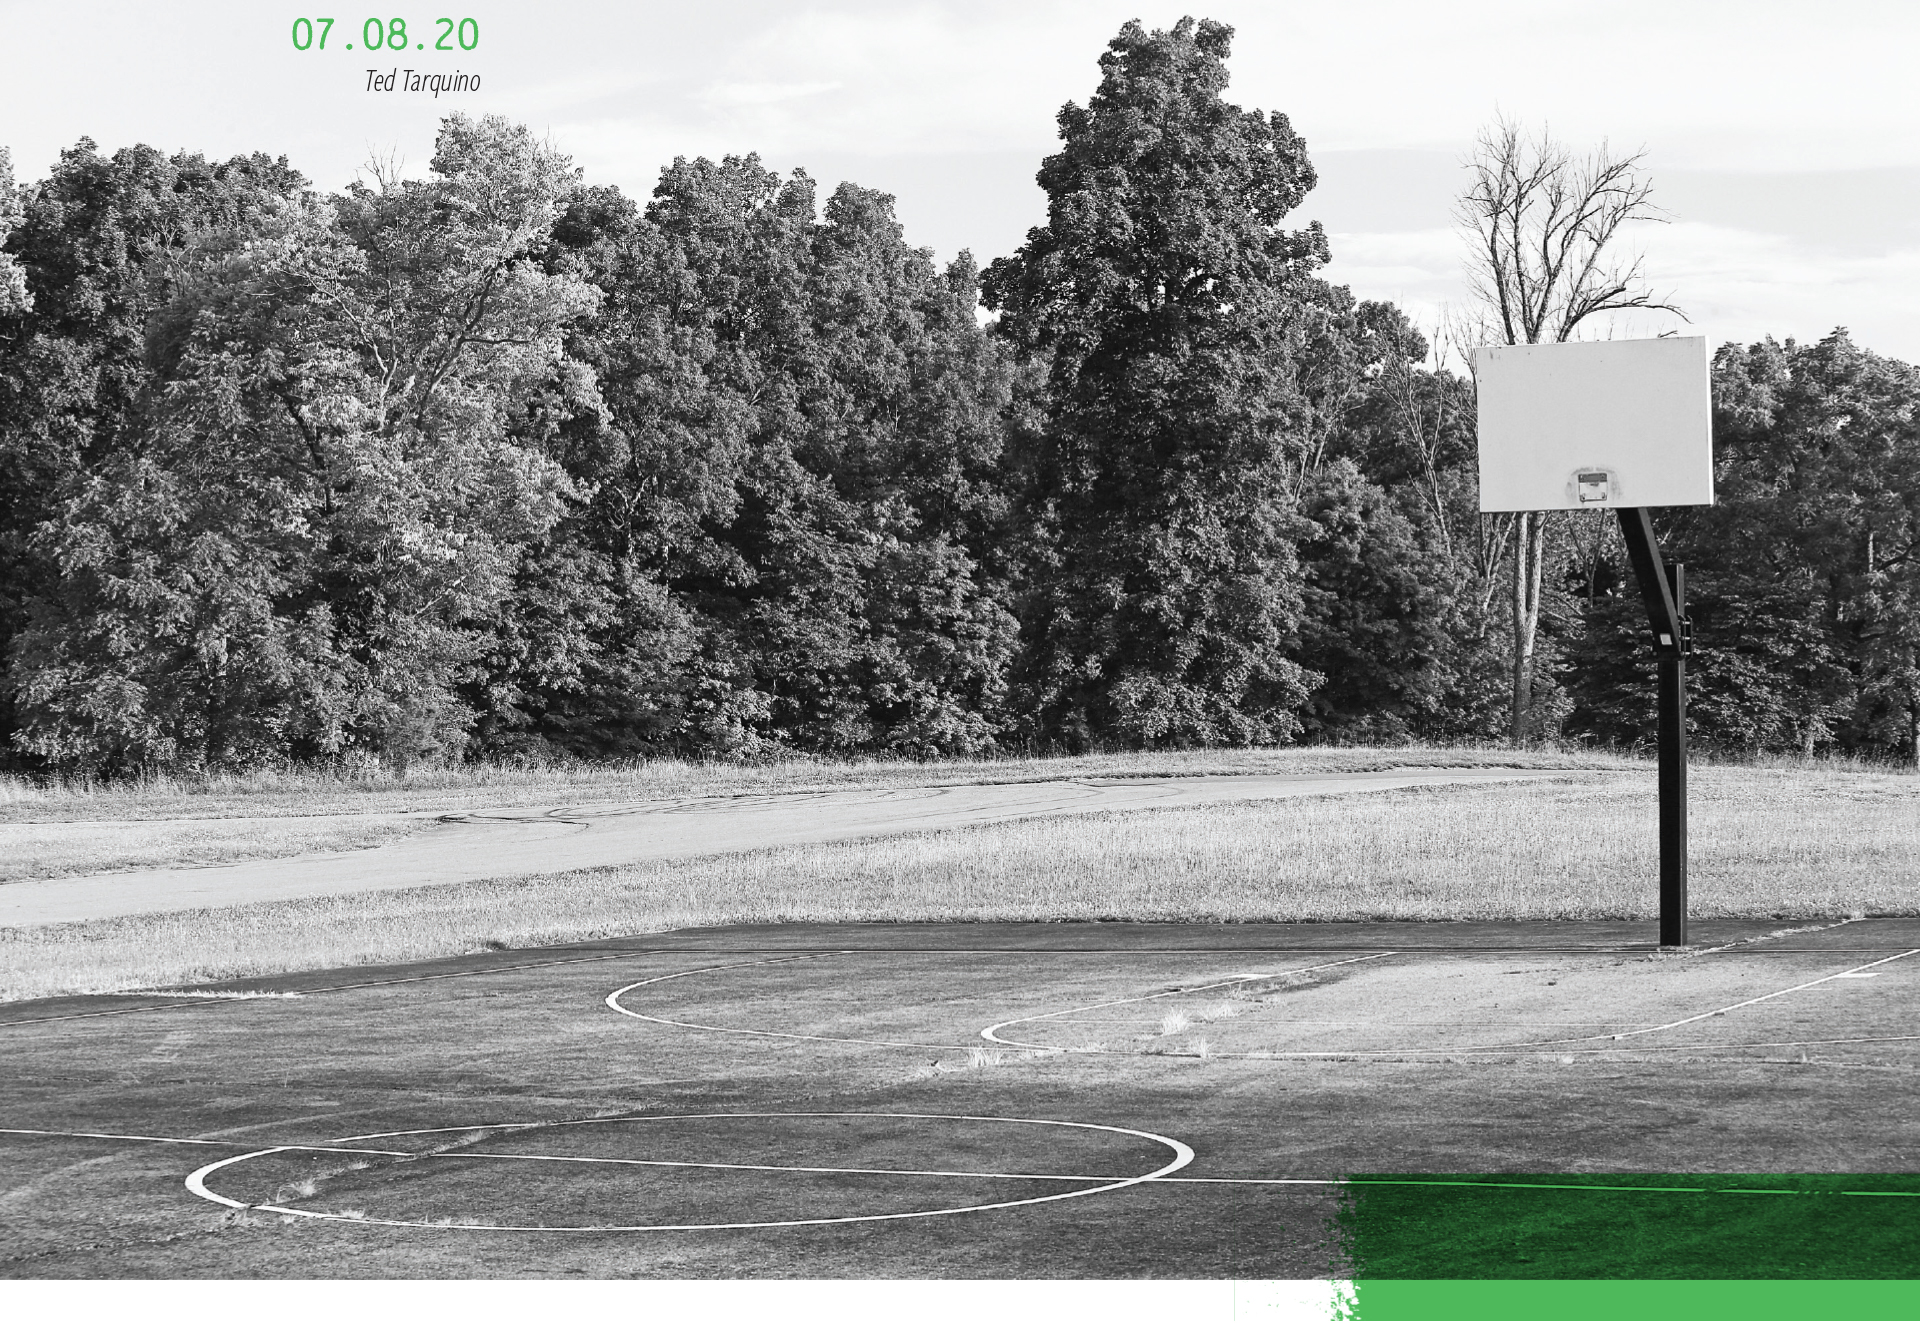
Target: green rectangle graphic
{"type": "Point", "coordinates": [1378, 1301]}
{"type": "Point", "coordinates": [1640, 1227]}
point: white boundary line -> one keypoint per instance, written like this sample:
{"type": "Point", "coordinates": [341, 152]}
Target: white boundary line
{"type": "Point", "coordinates": [1778, 933]}
{"type": "Point", "coordinates": [188, 1000]}
{"type": "Point", "coordinates": [1531, 1046]}
{"type": "Point", "coordinates": [992, 1032]}
{"type": "Point", "coordinates": [1660, 1028]}
{"type": "Point", "coordinates": [94, 1134]}
{"type": "Point", "coordinates": [1752, 1001]}
{"type": "Point", "coordinates": [1182, 1155]}
{"type": "Point", "coordinates": [858, 1171]}
{"type": "Point", "coordinates": [343, 1148]}
{"type": "Point", "coordinates": [883, 1171]}
{"type": "Point", "coordinates": [613, 1004]}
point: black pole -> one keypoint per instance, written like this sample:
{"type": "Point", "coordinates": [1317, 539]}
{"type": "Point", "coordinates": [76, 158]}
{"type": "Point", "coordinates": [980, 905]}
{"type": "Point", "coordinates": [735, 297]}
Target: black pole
{"type": "Point", "coordinates": [1663, 589]}
{"type": "Point", "coordinates": [1673, 774]}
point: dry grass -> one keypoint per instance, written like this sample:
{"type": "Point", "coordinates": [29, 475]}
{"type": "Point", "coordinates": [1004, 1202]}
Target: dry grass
{"type": "Point", "coordinates": [1785, 843]}
{"type": "Point", "coordinates": [312, 794]}
{"type": "Point", "coordinates": [68, 849]}
{"type": "Point", "coordinates": [75, 828]}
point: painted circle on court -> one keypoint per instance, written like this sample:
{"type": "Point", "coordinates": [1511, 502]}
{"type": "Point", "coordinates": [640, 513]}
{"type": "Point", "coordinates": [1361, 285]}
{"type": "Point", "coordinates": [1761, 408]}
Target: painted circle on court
{"type": "Point", "coordinates": [1181, 1156]}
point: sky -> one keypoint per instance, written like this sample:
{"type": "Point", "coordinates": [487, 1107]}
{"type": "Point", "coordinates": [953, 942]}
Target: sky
{"type": "Point", "coordinates": [1782, 139]}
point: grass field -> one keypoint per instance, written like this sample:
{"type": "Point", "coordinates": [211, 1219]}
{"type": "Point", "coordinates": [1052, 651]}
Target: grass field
{"type": "Point", "coordinates": [1765, 843]}
{"type": "Point", "coordinates": [70, 849]}
{"type": "Point", "coordinates": [309, 794]}
{"type": "Point", "coordinates": [75, 828]}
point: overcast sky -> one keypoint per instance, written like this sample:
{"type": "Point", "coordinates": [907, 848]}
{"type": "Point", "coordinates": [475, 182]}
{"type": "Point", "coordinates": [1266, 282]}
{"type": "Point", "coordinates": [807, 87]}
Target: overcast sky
{"type": "Point", "coordinates": [1784, 138]}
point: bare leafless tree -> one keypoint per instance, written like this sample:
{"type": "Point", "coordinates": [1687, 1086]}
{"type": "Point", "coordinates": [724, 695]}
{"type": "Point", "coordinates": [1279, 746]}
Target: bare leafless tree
{"type": "Point", "coordinates": [1542, 225]}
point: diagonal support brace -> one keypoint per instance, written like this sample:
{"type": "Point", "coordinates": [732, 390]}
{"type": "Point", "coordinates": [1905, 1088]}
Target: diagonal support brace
{"type": "Point", "coordinates": [1666, 611]}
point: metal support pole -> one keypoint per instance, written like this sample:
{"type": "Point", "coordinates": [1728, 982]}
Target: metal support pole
{"type": "Point", "coordinates": [1663, 589]}
{"type": "Point", "coordinates": [1673, 775]}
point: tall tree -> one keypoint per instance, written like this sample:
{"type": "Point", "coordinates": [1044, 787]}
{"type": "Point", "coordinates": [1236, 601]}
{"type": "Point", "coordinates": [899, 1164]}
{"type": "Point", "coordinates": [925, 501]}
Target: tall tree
{"type": "Point", "coordinates": [1425, 601]}
{"type": "Point", "coordinates": [100, 245]}
{"type": "Point", "coordinates": [14, 295]}
{"type": "Point", "coordinates": [799, 502]}
{"type": "Point", "coordinates": [1543, 260]}
{"type": "Point", "coordinates": [1171, 310]}
{"type": "Point", "coordinates": [330, 486]}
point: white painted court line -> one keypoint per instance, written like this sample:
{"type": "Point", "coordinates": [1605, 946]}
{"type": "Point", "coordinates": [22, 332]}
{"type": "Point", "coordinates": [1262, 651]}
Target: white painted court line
{"type": "Point", "coordinates": [188, 1000]}
{"type": "Point", "coordinates": [1569, 1044]}
{"type": "Point", "coordinates": [1537, 1049]}
{"type": "Point", "coordinates": [992, 1032]}
{"type": "Point", "coordinates": [1789, 1042]}
{"type": "Point", "coordinates": [774, 1166]}
{"type": "Point", "coordinates": [344, 1149]}
{"type": "Point", "coordinates": [613, 1004]}
{"type": "Point", "coordinates": [1749, 942]}
{"type": "Point", "coordinates": [849, 1171]}
{"type": "Point", "coordinates": [1755, 1001]}
{"type": "Point", "coordinates": [94, 1134]}
{"type": "Point", "coordinates": [208, 1143]}
{"type": "Point", "coordinates": [1490, 1049]}
{"type": "Point", "coordinates": [1182, 1155]}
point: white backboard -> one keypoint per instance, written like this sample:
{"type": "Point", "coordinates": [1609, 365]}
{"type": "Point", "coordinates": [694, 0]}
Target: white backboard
{"type": "Point", "coordinates": [1595, 423]}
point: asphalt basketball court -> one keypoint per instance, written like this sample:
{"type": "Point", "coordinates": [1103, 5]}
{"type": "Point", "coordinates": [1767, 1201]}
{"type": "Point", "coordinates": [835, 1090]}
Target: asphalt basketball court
{"type": "Point", "coordinates": [969, 1100]}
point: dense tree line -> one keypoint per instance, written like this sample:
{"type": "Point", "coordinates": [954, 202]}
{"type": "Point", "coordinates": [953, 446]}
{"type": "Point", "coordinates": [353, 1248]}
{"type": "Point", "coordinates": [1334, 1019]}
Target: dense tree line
{"type": "Point", "coordinates": [499, 462]}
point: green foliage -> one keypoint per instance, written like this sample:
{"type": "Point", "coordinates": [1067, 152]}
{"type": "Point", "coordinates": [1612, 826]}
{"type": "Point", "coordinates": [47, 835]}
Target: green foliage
{"type": "Point", "coordinates": [498, 464]}
{"type": "Point", "coordinates": [15, 298]}
{"type": "Point", "coordinates": [1804, 578]}
{"type": "Point", "coordinates": [1173, 313]}
{"type": "Point", "coordinates": [99, 245]}
{"type": "Point", "coordinates": [297, 550]}
{"type": "Point", "coordinates": [795, 499]}
{"type": "Point", "coordinates": [1376, 605]}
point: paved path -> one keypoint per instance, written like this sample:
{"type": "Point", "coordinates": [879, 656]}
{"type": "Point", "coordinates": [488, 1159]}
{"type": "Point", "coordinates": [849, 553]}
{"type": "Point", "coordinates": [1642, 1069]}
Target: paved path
{"type": "Point", "coordinates": [474, 847]}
